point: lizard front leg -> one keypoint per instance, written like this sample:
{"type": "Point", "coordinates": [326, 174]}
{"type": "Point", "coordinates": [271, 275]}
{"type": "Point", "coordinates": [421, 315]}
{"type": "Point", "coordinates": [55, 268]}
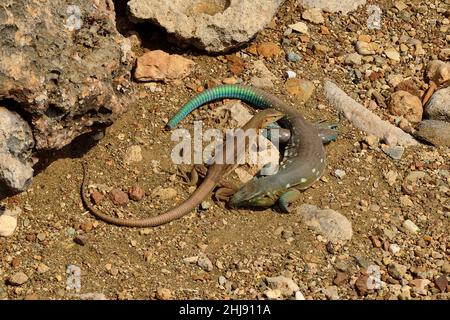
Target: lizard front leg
{"type": "Point", "coordinates": [290, 196]}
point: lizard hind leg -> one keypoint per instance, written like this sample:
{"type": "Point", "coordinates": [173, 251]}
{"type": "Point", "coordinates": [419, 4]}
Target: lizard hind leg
{"type": "Point", "coordinates": [290, 196]}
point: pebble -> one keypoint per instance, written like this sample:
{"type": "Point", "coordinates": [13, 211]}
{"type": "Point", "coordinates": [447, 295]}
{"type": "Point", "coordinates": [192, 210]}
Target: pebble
{"type": "Point", "coordinates": [286, 285]}
{"type": "Point", "coordinates": [438, 108]}
{"type": "Point", "coordinates": [97, 197]}
{"type": "Point", "coordinates": [419, 285]}
{"type": "Point", "coordinates": [205, 205]}
{"type": "Point", "coordinates": [339, 173]}
{"type": "Point", "coordinates": [269, 50]}
{"type": "Point", "coordinates": [163, 294]}
{"type": "Point", "coordinates": [8, 225]}
{"type": "Point", "coordinates": [136, 193]}
{"type": "Point", "coordinates": [405, 201]}
{"type": "Point", "coordinates": [331, 292]}
{"type": "Point", "coordinates": [340, 278]}
{"type": "Point", "coordinates": [410, 226]}
{"type": "Point", "coordinates": [331, 224]}
{"type": "Point", "coordinates": [391, 177]}
{"type": "Point", "coordinates": [301, 88]}
{"type": "Point", "coordinates": [80, 240]}
{"type": "Point", "coordinates": [294, 57]}
{"type": "Point", "coordinates": [446, 267]}
{"type": "Point", "coordinates": [414, 176]}
{"type": "Point", "coordinates": [204, 263]}
{"type": "Point", "coordinates": [392, 54]}
{"type": "Point", "coordinates": [353, 59]}
{"type": "Point", "coordinates": [394, 248]}
{"type": "Point", "coordinates": [164, 193]}
{"type": "Point", "coordinates": [222, 280]}
{"type": "Point", "coordinates": [118, 197]}
{"type": "Point", "coordinates": [435, 132]}
{"type": "Point", "coordinates": [395, 152]}
{"type": "Point", "coordinates": [313, 15]}
{"type": "Point", "coordinates": [18, 279]}
{"type": "Point", "coordinates": [273, 293]}
{"type": "Point", "coordinates": [42, 268]}
{"type": "Point", "coordinates": [441, 283]}
{"type": "Point", "coordinates": [291, 74]}
{"type": "Point", "coordinates": [299, 295]}
{"type": "Point", "coordinates": [300, 27]}
{"type": "Point", "coordinates": [364, 48]}
{"type": "Point", "coordinates": [361, 284]}
{"type": "Point", "coordinates": [397, 271]}
{"type": "Point", "coordinates": [403, 103]}
{"type": "Point", "coordinates": [133, 154]}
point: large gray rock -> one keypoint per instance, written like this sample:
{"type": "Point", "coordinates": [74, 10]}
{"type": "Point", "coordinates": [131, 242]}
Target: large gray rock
{"type": "Point", "coordinates": [61, 66]}
{"type": "Point", "coordinates": [344, 6]}
{"type": "Point", "coordinates": [435, 132]}
{"type": "Point", "coordinates": [212, 25]}
{"type": "Point", "coordinates": [16, 143]}
{"type": "Point", "coordinates": [438, 108]}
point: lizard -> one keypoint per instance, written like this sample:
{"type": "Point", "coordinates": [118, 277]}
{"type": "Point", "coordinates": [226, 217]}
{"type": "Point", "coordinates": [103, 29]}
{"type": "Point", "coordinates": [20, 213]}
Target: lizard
{"type": "Point", "coordinates": [304, 157]}
{"type": "Point", "coordinates": [216, 171]}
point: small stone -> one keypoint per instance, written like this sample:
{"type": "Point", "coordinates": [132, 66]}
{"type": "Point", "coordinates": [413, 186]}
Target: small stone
{"type": "Point", "coordinates": [313, 15]}
{"type": "Point", "coordinates": [419, 285]}
{"type": "Point", "coordinates": [42, 268]}
{"type": "Point", "coordinates": [331, 293]}
{"type": "Point", "coordinates": [222, 280]}
{"type": "Point", "coordinates": [269, 50]}
{"type": "Point", "coordinates": [158, 65]}
{"type": "Point", "coordinates": [438, 108]}
{"type": "Point", "coordinates": [291, 74]}
{"type": "Point", "coordinates": [133, 154]}
{"type": "Point", "coordinates": [230, 80]}
{"type": "Point", "coordinates": [403, 103]}
{"type": "Point", "coordinates": [414, 176]}
{"type": "Point", "coordinates": [165, 193]}
{"type": "Point", "coordinates": [18, 279]}
{"type": "Point", "coordinates": [364, 48]}
{"type": "Point", "coordinates": [435, 132]}
{"type": "Point", "coordinates": [97, 197]}
{"type": "Point", "coordinates": [446, 267]}
{"type": "Point", "coordinates": [301, 88]}
{"type": "Point", "coordinates": [400, 5]}
{"type": "Point", "coordinates": [340, 278]}
{"type": "Point", "coordinates": [193, 259]}
{"type": "Point", "coordinates": [204, 263]}
{"type": "Point", "coordinates": [294, 57]}
{"type": "Point", "coordinates": [300, 27]}
{"type": "Point", "coordinates": [80, 240]}
{"type": "Point", "coordinates": [441, 283]}
{"type": "Point", "coordinates": [205, 205]}
{"type": "Point", "coordinates": [391, 177]}
{"type": "Point", "coordinates": [395, 152]}
{"type": "Point", "coordinates": [410, 226]}
{"type": "Point", "coordinates": [272, 293]}
{"type": "Point", "coordinates": [392, 54]}
{"type": "Point", "coordinates": [394, 248]}
{"type": "Point", "coordinates": [339, 173]}
{"type": "Point", "coordinates": [406, 201]}
{"type": "Point", "coordinates": [8, 225]}
{"type": "Point", "coordinates": [375, 241]}
{"type": "Point", "coordinates": [286, 285]}
{"type": "Point", "coordinates": [136, 193]}
{"type": "Point", "coordinates": [353, 59]}
{"type": "Point", "coordinates": [163, 294]}
{"type": "Point", "coordinates": [397, 271]}
{"type": "Point", "coordinates": [299, 295]}
{"type": "Point", "coordinates": [321, 49]}
{"type": "Point", "coordinates": [118, 197]}
{"type": "Point", "coordinates": [361, 284]}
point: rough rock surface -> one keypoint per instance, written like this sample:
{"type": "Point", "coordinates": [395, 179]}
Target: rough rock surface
{"type": "Point", "coordinates": [61, 66]}
{"type": "Point", "coordinates": [344, 6]}
{"type": "Point", "coordinates": [405, 104]}
{"type": "Point", "coordinates": [435, 132]}
{"type": "Point", "coordinates": [215, 25]}
{"type": "Point", "coordinates": [16, 142]}
{"type": "Point", "coordinates": [438, 108]}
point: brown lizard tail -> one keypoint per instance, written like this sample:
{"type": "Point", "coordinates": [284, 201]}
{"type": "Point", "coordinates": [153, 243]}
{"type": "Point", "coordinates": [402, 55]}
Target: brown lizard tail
{"type": "Point", "coordinates": [184, 208]}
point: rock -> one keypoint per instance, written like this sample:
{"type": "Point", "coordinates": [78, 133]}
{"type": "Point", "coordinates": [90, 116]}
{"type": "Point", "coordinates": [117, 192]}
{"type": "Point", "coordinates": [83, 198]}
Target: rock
{"type": "Point", "coordinates": [438, 108]}
{"type": "Point", "coordinates": [438, 72]}
{"type": "Point", "coordinates": [405, 104]}
{"type": "Point", "coordinates": [42, 268]}
{"type": "Point", "coordinates": [361, 284]}
{"type": "Point", "coordinates": [365, 48]}
{"type": "Point", "coordinates": [293, 57]}
{"type": "Point", "coordinates": [204, 263]}
{"type": "Point", "coordinates": [300, 27]}
{"type": "Point", "coordinates": [397, 271]}
{"type": "Point", "coordinates": [435, 132]}
{"type": "Point", "coordinates": [410, 226]}
{"type": "Point", "coordinates": [391, 177]}
{"type": "Point", "coordinates": [205, 205]}
{"type": "Point", "coordinates": [164, 193]}
{"type": "Point", "coordinates": [299, 295]}
{"type": "Point", "coordinates": [80, 240]}
{"type": "Point", "coordinates": [8, 224]}
{"type": "Point", "coordinates": [136, 193]}
{"type": "Point", "coordinates": [394, 79]}
{"type": "Point", "coordinates": [214, 26]}
{"type": "Point", "coordinates": [269, 50]}
{"type": "Point", "coordinates": [16, 143]}
{"type": "Point", "coordinates": [339, 173]}
{"type": "Point", "coordinates": [158, 65]}
{"type": "Point", "coordinates": [321, 49]}
{"type": "Point", "coordinates": [18, 279]}
{"type": "Point", "coordinates": [118, 197]}
{"type": "Point", "coordinates": [286, 285]}
{"type": "Point", "coordinates": [408, 86]}
{"type": "Point", "coordinates": [97, 197]}
{"type": "Point", "coordinates": [441, 283]}
{"type": "Point", "coordinates": [340, 278]}
{"type": "Point", "coordinates": [133, 154]}
{"type": "Point", "coordinates": [394, 248]}
{"type": "Point", "coordinates": [193, 259]}
{"type": "Point", "coordinates": [301, 88]}
{"type": "Point", "coordinates": [68, 73]}
{"type": "Point", "coordinates": [333, 225]}
{"type": "Point", "coordinates": [291, 74]}
{"type": "Point", "coordinates": [344, 6]}
{"type": "Point", "coordinates": [395, 152]}
{"type": "Point", "coordinates": [392, 54]}
{"type": "Point", "coordinates": [313, 15]}
{"type": "Point", "coordinates": [353, 59]}
{"type": "Point", "coordinates": [163, 294]}
{"type": "Point", "coordinates": [414, 176]}
{"type": "Point", "coordinates": [444, 54]}
{"type": "Point", "coordinates": [419, 285]}
{"type": "Point", "coordinates": [273, 293]}
{"type": "Point", "coordinates": [331, 293]}
{"type": "Point", "coordinates": [446, 267]}
{"type": "Point", "coordinates": [264, 76]}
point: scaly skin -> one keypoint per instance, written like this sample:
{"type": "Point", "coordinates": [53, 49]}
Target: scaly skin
{"type": "Point", "coordinates": [215, 173]}
{"type": "Point", "coordinates": [304, 157]}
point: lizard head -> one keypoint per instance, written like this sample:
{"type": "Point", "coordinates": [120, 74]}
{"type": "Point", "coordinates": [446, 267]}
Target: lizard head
{"type": "Point", "coordinates": [267, 116]}
{"type": "Point", "coordinates": [252, 194]}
